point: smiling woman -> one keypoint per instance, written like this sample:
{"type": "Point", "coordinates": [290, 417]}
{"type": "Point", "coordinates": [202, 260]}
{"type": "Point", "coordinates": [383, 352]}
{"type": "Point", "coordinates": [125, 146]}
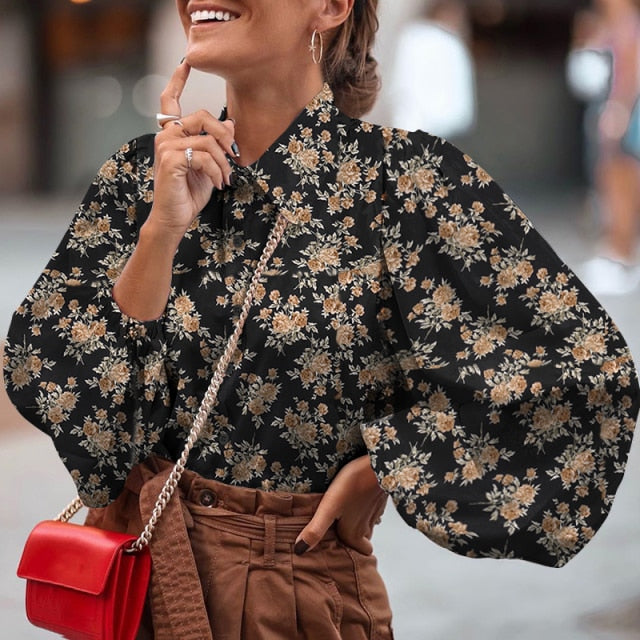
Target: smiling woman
{"type": "Point", "coordinates": [377, 317]}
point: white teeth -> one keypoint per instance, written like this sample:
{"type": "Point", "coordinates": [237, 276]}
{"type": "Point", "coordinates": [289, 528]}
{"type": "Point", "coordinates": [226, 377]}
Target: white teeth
{"type": "Point", "coordinates": [202, 16]}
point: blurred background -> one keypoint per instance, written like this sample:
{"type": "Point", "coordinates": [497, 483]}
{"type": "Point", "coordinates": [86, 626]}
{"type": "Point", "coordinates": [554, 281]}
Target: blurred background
{"type": "Point", "coordinates": [522, 85]}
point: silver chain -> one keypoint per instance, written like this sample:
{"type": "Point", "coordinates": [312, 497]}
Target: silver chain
{"type": "Point", "coordinates": [208, 401]}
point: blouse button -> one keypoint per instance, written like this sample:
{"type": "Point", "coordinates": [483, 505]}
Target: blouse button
{"type": "Point", "coordinates": [238, 242]}
{"type": "Point", "coordinates": [208, 498]}
{"type": "Point", "coordinates": [223, 438]}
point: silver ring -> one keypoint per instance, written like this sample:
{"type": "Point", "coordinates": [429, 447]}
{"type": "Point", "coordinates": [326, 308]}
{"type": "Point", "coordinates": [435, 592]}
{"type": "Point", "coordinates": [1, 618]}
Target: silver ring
{"type": "Point", "coordinates": [164, 118]}
{"type": "Point", "coordinates": [188, 154]}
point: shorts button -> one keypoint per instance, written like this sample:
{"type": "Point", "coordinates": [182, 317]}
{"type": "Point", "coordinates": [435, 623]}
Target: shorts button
{"type": "Point", "coordinates": [208, 498]}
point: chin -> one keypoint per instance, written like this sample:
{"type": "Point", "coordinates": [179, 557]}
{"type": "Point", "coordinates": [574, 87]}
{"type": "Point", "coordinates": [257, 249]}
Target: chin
{"type": "Point", "coordinates": [205, 61]}
{"type": "Point", "coordinates": [225, 65]}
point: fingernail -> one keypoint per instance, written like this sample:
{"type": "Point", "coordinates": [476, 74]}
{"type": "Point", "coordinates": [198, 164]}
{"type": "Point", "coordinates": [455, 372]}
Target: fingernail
{"type": "Point", "coordinates": [183, 59]}
{"type": "Point", "coordinates": [234, 148]}
{"type": "Point", "coordinates": [301, 547]}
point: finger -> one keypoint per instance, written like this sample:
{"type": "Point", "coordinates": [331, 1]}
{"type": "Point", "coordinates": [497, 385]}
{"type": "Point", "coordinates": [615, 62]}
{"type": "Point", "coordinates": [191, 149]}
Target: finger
{"type": "Point", "coordinates": [201, 163]}
{"type": "Point", "coordinates": [173, 128]}
{"type": "Point", "coordinates": [204, 163]}
{"type": "Point", "coordinates": [170, 97]}
{"type": "Point", "coordinates": [203, 122]}
{"type": "Point", "coordinates": [318, 526]}
{"type": "Point", "coordinates": [172, 153]}
{"type": "Point", "coordinates": [230, 123]}
{"type": "Point", "coordinates": [208, 145]}
{"type": "Point", "coordinates": [211, 145]}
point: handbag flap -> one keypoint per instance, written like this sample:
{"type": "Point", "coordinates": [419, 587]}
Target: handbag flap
{"type": "Point", "coordinates": [71, 555]}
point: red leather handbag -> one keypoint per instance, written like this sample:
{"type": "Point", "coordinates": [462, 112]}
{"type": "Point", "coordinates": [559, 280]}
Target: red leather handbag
{"type": "Point", "coordinates": [89, 584]}
{"type": "Point", "coordinates": [84, 582]}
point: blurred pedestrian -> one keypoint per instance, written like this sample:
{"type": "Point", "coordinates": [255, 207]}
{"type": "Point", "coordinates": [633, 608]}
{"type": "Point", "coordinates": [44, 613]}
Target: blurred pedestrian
{"type": "Point", "coordinates": [408, 333]}
{"type": "Point", "coordinates": [589, 73]}
{"type": "Point", "coordinates": [433, 82]}
{"type": "Point", "coordinates": [617, 173]}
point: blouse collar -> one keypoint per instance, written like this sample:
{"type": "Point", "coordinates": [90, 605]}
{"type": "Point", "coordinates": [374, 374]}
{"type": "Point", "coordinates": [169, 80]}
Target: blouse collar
{"type": "Point", "coordinates": [294, 162]}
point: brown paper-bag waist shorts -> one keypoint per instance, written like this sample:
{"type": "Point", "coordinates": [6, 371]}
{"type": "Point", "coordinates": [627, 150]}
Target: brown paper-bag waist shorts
{"type": "Point", "coordinates": [238, 550]}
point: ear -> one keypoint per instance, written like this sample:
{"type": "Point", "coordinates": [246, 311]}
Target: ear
{"type": "Point", "coordinates": [332, 14]}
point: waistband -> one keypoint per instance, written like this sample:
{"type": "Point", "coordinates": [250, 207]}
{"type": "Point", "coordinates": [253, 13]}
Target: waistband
{"type": "Point", "coordinates": [250, 513]}
{"type": "Point", "coordinates": [244, 500]}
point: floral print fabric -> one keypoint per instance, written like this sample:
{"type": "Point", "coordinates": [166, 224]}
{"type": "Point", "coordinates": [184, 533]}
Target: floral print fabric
{"type": "Point", "coordinates": [411, 312]}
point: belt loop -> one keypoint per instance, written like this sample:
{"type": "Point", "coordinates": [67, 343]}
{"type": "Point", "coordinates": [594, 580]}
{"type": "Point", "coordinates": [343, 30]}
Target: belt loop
{"type": "Point", "coordinates": [270, 541]}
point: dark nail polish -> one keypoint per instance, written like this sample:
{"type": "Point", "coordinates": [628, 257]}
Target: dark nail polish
{"type": "Point", "coordinates": [183, 59]}
{"type": "Point", "coordinates": [234, 148]}
{"type": "Point", "coordinates": [301, 547]}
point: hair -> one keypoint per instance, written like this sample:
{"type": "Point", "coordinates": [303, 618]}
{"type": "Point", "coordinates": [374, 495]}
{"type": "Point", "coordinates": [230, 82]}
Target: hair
{"type": "Point", "coordinates": [349, 68]}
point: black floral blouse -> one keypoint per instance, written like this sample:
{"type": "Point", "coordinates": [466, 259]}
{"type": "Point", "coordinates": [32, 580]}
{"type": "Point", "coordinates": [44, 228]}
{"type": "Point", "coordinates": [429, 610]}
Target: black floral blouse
{"type": "Point", "coordinates": [410, 312]}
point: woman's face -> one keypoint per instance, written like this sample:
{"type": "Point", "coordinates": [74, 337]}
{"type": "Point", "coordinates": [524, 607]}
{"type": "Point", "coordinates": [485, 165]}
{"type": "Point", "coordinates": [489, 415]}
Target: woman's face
{"type": "Point", "coordinates": [230, 37]}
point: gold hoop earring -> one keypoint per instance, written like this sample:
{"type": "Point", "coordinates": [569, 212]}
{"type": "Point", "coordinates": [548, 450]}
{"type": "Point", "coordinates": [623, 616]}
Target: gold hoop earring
{"type": "Point", "coordinates": [314, 56]}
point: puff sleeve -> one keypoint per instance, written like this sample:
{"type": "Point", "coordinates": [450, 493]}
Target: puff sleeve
{"type": "Point", "coordinates": [74, 365]}
{"type": "Point", "coordinates": [508, 432]}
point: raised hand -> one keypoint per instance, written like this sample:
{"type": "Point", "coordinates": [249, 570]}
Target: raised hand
{"type": "Point", "coordinates": [183, 185]}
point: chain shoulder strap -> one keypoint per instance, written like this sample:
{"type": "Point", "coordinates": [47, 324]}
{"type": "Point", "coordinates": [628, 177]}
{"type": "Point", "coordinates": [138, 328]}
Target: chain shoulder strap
{"type": "Point", "coordinates": [208, 401]}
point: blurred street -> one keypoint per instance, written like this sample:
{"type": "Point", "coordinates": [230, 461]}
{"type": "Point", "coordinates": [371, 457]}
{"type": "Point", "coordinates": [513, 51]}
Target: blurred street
{"type": "Point", "coordinates": [435, 594]}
